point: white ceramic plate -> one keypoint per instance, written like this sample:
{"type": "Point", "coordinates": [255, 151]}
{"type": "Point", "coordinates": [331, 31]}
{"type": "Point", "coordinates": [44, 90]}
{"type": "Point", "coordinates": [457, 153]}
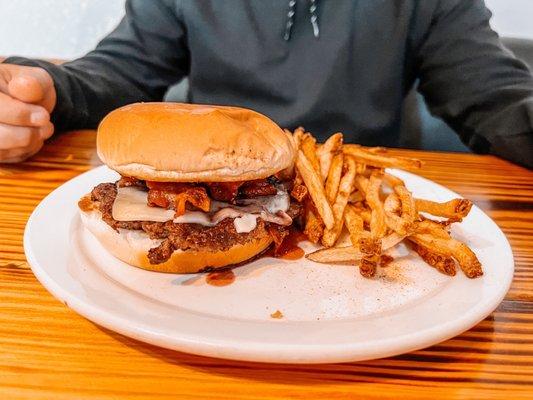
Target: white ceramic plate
{"type": "Point", "coordinates": [330, 313]}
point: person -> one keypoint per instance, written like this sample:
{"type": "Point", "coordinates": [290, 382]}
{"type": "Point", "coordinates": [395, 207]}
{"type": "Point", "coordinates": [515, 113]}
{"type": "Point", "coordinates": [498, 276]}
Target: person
{"type": "Point", "coordinates": [329, 65]}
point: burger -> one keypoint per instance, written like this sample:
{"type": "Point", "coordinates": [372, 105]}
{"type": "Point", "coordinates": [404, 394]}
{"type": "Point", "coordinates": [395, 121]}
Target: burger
{"type": "Point", "coordinates": [201, 187]}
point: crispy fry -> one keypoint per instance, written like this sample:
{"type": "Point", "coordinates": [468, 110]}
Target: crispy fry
{"type": "Point", "coordinates": [327, 151]}
{"type": "Point", "coordinates": [361, 169]}
{"type": "Point", "coordinates": [314, 227]}
{"type": "Point", "coordinates": [370, 249]}
{"type": "Point", "coordinates": [434, 228]}
{"type": "Point", "coordinates": [343, 255]}
{"type": "Point", "coordinates": [354, 223]}
{"type": "Point", "coordinates": [456, 209]}
{"type": "Point", "coordinates": [297, 136]}
{"type": "Point", "coordinates": [442, 263]}
{"type": "Point", "coordinates": [308, 147]}
{"type": "Point", "coordinates": [364, 156]}
{"type": "Point", "coordinates": [391, 240]}
{"type": "Point", "coordinates": [315, 188]}
{"type": "Point", "coordinates": [392, 180]}
{"type": "Point", "coordinates": [408, 203]}
{"type": "Point", "coordinates": [363, 212]}
{"type": "Point", "coordinates": [378, 226]}
{"type": "Point", "coordinates": [334, 177]}
{"type": "Point", "coordinates": [397, 223]}
{"type": "Point", "coordinates": [349, 253]}
{"type": "Point", "coordinates": [356, 197]}
{"type": "Point", "coordinates": [361, 183]}
{"type": "Point", "coordinates": [335, 254]}
{"type": "Point", "coordinates": [400, 210]}
{"type": "Point", "coordinates": [452, 248]}
{"type": "Point", "coordinates": [392, 204]}
{"type": "Point", "coordinates": [378, 150]}
{"type": "Point", "coordinates": [345, 188]}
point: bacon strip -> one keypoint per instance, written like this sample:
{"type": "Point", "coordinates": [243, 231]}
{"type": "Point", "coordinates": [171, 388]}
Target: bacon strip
{"type": "Point", "coordinates": [175, 196]}
{"type": "Point", "coordinates": [224, 191]}
{"type": "Point", "coordinates": [258, 187]}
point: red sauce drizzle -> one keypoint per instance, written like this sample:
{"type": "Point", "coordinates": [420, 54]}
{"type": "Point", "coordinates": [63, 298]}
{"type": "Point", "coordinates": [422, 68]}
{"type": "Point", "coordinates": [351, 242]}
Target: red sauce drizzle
{"type": "Point", "coordinates": [289, 249]}
{"type": "Point", "coordinates": [220, 278]}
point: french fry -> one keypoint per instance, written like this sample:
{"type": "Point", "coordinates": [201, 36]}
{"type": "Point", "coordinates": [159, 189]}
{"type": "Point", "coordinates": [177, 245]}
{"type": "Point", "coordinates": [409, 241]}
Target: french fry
{"type": "Point", "coordinates": [335, 255]}
{"type": "Point", "coordinates": [315, 188]}
{"type": "Point", "coordinates": [370, 248]}
{"type": "Point", "coordinates": [378, 150]}
{"type": "Point", "coordinates": [392, 180]}
{"type": "Point", "coordinates": [308, 147]}
{"type": "Point", "coordinates": [356, 197]}
{"type": "Point", "coordinates": [391, 240]}
{"type": "Point", "coordinates": [314, 227]}
{"type": "Point", "coordinates": [334, 177]}
{"type": "Point", "coordinates": [434, 228]}
{"type": "Point", "coordinates": [456, 209]}
{"type": "Point", "coordinates": [452, 248]}
{"type": "Point", "coordinates": [361, 169]}
{"type": "Point", "coordinates": [349, 253]}
{"type": "Point", "coordinates": [378, 226]}
{"type": "Point", "coordinates": [442, 263]}
{"type": "Point", "coordinates": [342, 255]}
{"type": "Point", "coordinates": [297, 136]}
{"type": "Point", "coordinates": [365, 213]}
{"type": "Point", "coordinates": [345, 188]}
{"type": "Point", "coordinates": [392, 207]}
{"type": "Point", "coordinates": [327, 151]}
{"type": "Point", "coordinates": [397, 223]}
{"type": "Point", "coordinates": [392, 204]}
{"type": "Point", "coordinates": [361, 183]}
{"type": "Point", "coordinates": [354, 223]}
{"type": "Point", "coordinates": [378, 160]}
{"type": "Point", "coordinates": [408, 203]}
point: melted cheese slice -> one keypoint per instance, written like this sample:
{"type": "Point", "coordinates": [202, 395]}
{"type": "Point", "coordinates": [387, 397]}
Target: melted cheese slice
{"type": "Point", "coordinates": [246, 223]}
{"type": "Point", "coordinates": [131, 204]}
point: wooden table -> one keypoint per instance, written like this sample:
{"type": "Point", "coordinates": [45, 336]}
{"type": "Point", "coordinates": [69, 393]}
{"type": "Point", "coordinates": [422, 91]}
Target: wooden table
{"type": "Point", "coordinates": [49, 352]}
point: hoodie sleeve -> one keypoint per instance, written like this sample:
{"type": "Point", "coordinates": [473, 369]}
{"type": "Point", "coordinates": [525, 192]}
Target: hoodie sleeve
{"type": "Point", "coordinates": [471, 81]}
{"type": "Point", "coordinates": [138, 61]}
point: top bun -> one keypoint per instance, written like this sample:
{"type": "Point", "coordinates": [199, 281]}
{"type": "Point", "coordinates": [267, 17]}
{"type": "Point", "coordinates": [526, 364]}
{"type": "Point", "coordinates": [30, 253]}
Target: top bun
{"type": "Point", "coordinates": [193, 143]}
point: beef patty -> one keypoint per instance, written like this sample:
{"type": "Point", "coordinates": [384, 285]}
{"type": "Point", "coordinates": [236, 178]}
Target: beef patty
{"type": "Point", "coordinates": [190, 237]}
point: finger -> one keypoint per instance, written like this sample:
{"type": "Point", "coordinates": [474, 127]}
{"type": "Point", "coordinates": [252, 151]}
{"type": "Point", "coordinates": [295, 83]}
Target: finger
{"type": "Point", "coordinates": [46, 131]}
{"type": "Point", "coordinates": [20, 154]}
{"type": "Point", "coordinates": [26, 88]}
{"type": "Point", "coordinates": [12, 137]}
{"type": "Point", "coordinates": [29, 84]}
{"type": "Point", "coordinates": [16, 112]}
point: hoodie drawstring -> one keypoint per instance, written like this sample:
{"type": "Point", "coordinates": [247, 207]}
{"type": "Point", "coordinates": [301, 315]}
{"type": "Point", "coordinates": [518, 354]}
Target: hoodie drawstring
{"type": "Point", "coordinates": [291, 14]}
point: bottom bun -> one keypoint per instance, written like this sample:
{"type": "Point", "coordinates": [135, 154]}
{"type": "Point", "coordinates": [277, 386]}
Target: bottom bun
{"type": "Point", "coordinates": [132, 247]}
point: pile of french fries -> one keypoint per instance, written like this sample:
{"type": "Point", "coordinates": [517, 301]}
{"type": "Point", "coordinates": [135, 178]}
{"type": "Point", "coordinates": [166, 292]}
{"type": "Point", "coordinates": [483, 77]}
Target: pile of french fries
{"type": "Point", "coordinates": [347, 186]}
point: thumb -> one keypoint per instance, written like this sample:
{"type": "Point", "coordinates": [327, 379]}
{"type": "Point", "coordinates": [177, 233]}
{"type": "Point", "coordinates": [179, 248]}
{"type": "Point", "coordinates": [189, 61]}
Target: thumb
{"type": "Point", "coordinates": [28, 85]}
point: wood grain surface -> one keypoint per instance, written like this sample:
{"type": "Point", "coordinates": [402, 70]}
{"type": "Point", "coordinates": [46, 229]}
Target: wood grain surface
{"type": "Point", "coordinates": [49, 352]}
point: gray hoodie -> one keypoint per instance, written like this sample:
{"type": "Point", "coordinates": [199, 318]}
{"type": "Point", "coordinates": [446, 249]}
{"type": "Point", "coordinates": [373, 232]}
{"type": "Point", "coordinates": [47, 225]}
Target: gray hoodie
{"type": "Point", "coordinates": [329, 65]}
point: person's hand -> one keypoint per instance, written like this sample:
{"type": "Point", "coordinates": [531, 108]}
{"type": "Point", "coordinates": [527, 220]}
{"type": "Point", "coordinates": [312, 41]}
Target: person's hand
{"type": "Point", "coordinates": [27, 97]}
